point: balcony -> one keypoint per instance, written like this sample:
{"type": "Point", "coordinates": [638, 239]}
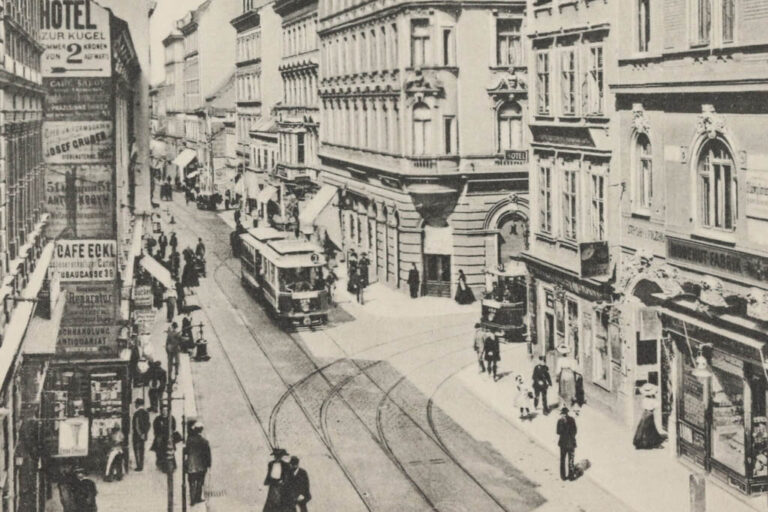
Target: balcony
{"type": "Point", "coordinates": [292, 172]}
{"type": "Point", "coordinates": [295, 113]}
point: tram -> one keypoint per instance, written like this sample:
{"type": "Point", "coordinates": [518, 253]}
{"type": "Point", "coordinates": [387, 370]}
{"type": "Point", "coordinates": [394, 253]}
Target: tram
{"type": "Point", "coordinates": [287, 274]}
{"type": "Point", "coordinates": [504, 304]}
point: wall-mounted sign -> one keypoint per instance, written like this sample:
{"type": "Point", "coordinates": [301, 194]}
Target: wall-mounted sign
{"type": "Point", "coordinates": [757, 195]}
{"type": "Point", "coordinates": [516, 157]}
{"type": "Point", "coordinates": [78, 142]}
{"type": "Point", "coordinates": [77, 99]}
{"type": "Point", "coordinates": [73, 437]}
{"type": "Point", "coordinates": [594, 258]}
{"type": "Point", "coordinates": [76, 38]}
{"type": "Point", "coordinates": [90, 304]}
{"type": "Point", "coordinates": [85, 260]}
{"type": "Point", "coordinates": [80, 201]}
{"type": "Point", "coordinates": [750, 266]}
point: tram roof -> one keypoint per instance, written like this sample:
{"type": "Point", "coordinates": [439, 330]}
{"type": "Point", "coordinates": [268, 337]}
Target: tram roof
{"type": "Point", "coordinates": [266, 234]}
{"type": "Point", "coordinates": [293, 254]}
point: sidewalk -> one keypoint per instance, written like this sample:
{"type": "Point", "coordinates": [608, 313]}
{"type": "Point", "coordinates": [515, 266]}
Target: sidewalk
{"type": "Point", "coordinates": [140, 491]}
{"type": "Point", "coordinates": [644, 479]}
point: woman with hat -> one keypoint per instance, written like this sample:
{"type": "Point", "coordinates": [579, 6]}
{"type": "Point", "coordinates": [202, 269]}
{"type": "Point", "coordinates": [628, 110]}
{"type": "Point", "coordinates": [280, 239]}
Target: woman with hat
{"type": "Point", "coordinates": [566, 377]}
{"type": "Point", "coordinates": [647, 436]}
{"type": "Point", "coordinates": [277, 473]}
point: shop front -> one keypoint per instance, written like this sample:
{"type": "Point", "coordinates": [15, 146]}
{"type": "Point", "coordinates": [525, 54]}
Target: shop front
{"type": "Point", "coordinates": [722, 424]}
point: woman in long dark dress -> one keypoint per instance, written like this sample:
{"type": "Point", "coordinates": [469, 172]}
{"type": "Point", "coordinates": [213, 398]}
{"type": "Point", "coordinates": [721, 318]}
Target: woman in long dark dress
{"type": "Point", "coordinates": [277, 473]}
{"type": "Point", "coordinates": [464, 293]}
{"type": "Point", "coordinates": [647, 436]}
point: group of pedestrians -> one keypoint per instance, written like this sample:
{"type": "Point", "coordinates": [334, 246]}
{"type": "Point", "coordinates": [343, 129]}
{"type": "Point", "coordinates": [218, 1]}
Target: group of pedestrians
{"type": "Point", "coordinates": [357, 274]}
{"type": "Point", "coordinates": [288, 484]}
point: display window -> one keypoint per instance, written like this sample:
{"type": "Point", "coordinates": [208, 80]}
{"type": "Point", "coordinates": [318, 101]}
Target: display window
{"type": "Point", "coordinates": [728, 433]}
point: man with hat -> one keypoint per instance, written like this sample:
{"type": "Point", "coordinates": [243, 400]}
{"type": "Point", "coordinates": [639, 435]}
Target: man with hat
{"type": "Point", "coordinates": [277, 475]}
{"type": "Point", "coordinates": [197, 460]}
{"type": "Point", "coordinates": [479, 344]}
{"type": "Point", "coordinates": [139, 432]}
{"type": "Point", "coordinates": [492, 355]}
{"type": "Point", "coordinates": [297, 487]}
{"type": "Point", "coordinates": [541, 383]}
{"type": "Point", "coordinates": [84, 492]}
{"type": "Point", "coordinates": [156, 378]}
{"type": "Point", "coordinates": [566, 431]}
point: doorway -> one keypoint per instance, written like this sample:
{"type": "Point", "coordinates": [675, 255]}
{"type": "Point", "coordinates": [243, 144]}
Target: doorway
{"type": "Point", "coordinates": [437, 275]}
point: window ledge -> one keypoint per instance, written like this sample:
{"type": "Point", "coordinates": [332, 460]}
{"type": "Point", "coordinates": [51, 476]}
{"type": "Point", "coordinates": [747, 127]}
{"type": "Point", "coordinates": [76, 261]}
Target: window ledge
{"type": "Point", "coordinates": [715, 236]}
{"type": "Point", "coordinates": [641, 214]}
{"type": "Point", "coordinates": [545, 237]}
{"type": "Point", "coordinates": [503, 67]}
{"type": "Point", "coordinates": [544, 117]}
{"type": "Point", "coordinates": [568, 244]}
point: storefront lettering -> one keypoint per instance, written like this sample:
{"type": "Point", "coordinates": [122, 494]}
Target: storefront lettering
{"type": "Point", "coordinates": [648, 234]}
{"type": "Point", "coordinates": [67, 14]}
{"type": "Point", "coordinates": [734, 262]}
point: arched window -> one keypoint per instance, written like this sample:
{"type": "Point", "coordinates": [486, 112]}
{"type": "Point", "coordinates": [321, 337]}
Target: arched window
{"type": "Point", "coordinates": [510, 128]}
{"type": "Point", "coordinates": [643, 172]}
{"type": "Point", "coordinates": [421, 129]}
{"type": "Point", "coordinates": [716, 183]}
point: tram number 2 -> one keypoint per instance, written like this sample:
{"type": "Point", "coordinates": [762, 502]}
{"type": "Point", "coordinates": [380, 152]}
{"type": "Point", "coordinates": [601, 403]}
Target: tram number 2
{"type": "Point", "coordinates": [74, 49]}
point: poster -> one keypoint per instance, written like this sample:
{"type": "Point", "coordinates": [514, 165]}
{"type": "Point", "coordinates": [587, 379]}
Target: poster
{"type": "Point", "coordinates": [90, 304]}
{"type": "Point", "coordinates": [76, 39]}
{"type": "Point", "coordinates": [80, 200]}
{"type": "Point", "coordinates": [78, 142]}
{"type": "Point", "coordinates": [757, 195]}
{"type": "Point", "coordinates": [85, 260]}
{"type": "Point", "coordinates": [142, 296]}
{"type": "Point", "coordinates": [77, 99]}
{"type": "Point", "coordinates": [73, 437]}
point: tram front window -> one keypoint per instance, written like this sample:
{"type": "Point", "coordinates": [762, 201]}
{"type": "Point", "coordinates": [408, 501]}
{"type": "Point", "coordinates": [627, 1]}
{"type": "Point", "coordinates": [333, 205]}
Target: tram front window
{"type": "Point", "coordinates": [300, 279]}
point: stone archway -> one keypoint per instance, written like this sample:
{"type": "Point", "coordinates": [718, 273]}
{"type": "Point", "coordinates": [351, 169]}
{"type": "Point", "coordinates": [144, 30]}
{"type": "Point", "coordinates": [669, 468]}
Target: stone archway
{"type": "Point", "coordinates": [507, 230]}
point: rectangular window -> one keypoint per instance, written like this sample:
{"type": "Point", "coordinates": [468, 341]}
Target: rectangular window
{"type": "Point", "coordinates": [448, 134]}
{"type": "Point", "coordinates": [509, 50]}
{"type": "Point", "coordinates": [449, 58]}
{"type": "Point", "coordinates": [643, 25]}
{"type": "Point", "coordinates": [545, 198]}
{"type": "Point", "coordinates": [542, 83]}
{"type": "Point", "coordinates": [594, 81]}
{"type": "Point", "coordinates": [569, 204]}
{"type": "Point", "coordinates": [568, 82]}
{"type": "Point", "coordinates": [598, 207]}
{"type": "Point", "coordinates": [728, 20]}
{"type": "Point", "coordinates": [300, 148]}
{"type": "Point", "coordinates": [419, 43]}
{"type": "Point", "coordinates": [644, 178]}
{"type": "Point", "coordinates": [702, 20]}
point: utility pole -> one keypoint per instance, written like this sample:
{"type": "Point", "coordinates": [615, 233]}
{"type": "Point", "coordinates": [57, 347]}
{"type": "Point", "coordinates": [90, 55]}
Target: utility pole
{"type": "Point", "coordinates": [171, 448]}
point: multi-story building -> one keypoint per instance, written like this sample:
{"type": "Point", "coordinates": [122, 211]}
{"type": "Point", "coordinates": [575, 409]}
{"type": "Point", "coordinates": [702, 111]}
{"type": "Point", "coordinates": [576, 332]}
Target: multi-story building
{"type": "Point", "coordinates": [173, 98]}
{"type": "Point", "coordinates": [693, 281]}
{"type": "Point", "coordinates": [575, 192]}
{"type": "Point", "coordinates": [422, 112]}
{"type": "Point", "coordinates": [258, 89]}
{"type": "Point", "coordinates": [298, 112]}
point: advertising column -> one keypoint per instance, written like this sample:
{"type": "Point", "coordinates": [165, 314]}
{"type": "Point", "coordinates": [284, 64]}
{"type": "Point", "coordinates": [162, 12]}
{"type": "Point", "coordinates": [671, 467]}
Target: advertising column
{"type": "Point", "coordinates": [87, 388]}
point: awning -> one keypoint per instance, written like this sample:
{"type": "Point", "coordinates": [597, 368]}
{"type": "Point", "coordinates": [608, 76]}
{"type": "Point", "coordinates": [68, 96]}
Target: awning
{"type": "Point", "coordinates": [192, 174]}
{"type": "Point", "coordinates": [438, 240]}
{"type": "Point", "coordinates": [158, 271]}
{"type": "Point", "coordinates": [42, 333]}
{"type": "Point", "coordinates": [184, 158]}
{"type": "Point", "coordinates": [312, 209]}
{"type": "Point", "coordinates": [251, 184]}
{"type": "Point", "coordinates": [267, 193]}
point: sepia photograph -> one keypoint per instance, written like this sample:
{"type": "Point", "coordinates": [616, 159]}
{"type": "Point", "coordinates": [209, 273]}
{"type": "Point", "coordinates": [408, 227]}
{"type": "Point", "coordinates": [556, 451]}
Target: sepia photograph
{"type": "Point", "coordinates": [384, 255]}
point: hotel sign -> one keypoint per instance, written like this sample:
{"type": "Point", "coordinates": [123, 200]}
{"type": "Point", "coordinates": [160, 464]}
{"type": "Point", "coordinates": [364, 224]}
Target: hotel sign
{"type": "Point", "coordinates": [515, 157]}
{"type": "Point", "coordinates": [749, 266]}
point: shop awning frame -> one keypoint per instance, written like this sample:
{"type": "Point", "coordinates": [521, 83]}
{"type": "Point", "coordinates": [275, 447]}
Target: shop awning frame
{"type": "Point", "coordinates": [42, 334]}
{"type": "Point", "coordinates": [157, 271]}
{"type": "Point", "coordinates": [184, 158]}
{"type": "Point", "coordinates": [317, 204]}
{"type": "Point", "coordinates": [192, 174]}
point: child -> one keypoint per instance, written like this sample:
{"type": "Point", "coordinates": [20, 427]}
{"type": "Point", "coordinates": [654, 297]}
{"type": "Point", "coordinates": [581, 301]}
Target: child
{"type": "Point", "coordinates": [523, 398]}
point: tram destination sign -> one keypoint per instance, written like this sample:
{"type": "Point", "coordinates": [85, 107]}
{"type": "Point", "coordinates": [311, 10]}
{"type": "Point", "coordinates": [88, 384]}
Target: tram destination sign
{"type": "Point", "coordinates": [722, 259]}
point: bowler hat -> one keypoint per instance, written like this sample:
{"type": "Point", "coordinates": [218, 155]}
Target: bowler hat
{"type": "Point", "coordinates": [564, 410]}
{"type": "Point", "coordinates": [278, 452]}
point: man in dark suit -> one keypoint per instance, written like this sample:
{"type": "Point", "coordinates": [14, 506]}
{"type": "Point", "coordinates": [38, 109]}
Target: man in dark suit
{"type": "Point", "coordinates": [156, 378]}
{"type": "Point", "coordinates": [566, 430]}
{"type": "Point", "coordinates": [298, 486]}
{"type": "Point", "coordinates": [492, 355]}
{"type": "Point", "coordinates": [162, 242]}
{"type": "Point", "coordinates": [197, 457]}
{"type": "Point", "coordinates": [541, 382]}
{"type": "Point", "coordinates": [413, 281]}
{"type": "Point", "coordinates": [139, 432]}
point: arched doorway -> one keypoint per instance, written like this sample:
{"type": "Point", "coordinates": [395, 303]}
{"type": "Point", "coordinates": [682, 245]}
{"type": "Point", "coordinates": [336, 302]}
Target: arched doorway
{"type": "Point", "coordinates": [512, 239]}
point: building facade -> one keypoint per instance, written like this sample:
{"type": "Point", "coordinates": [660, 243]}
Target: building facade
{"type": "Point", "coordinates": [172, 124]}
{"type": "Point", "coordinates": [423, 137]}
{"type": "Point", "coordinates": [692, 284]}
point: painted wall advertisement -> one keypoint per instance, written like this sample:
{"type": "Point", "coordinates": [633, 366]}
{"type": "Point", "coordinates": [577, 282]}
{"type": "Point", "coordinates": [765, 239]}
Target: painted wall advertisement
{"type": "Point", "coordinates": [80, 199]}
{"type": "Point", "coordinates": [77, 142]}
{"type": "Point", "coordinates": [76, 38]}
{"type": "Point", "coordinates": [77, 99]}
{"type": "Point", "coordinates": [85, 260]}
{"type": "Point", "coordinates": [88, 326]}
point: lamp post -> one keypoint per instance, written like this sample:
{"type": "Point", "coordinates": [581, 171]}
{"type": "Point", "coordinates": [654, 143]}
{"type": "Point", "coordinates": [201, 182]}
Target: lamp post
{"type": "Point", "coordinates": [171, 448]}
{"type": "Point", "coordinates": [697, 481]}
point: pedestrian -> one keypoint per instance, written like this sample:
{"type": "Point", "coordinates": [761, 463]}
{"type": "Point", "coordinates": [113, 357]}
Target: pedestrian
{"type": "Point", "coordinates": [67, 485]}
{"type": "Point", "coordinates": [172, 348]}
{"type": "Point", "coordinates": [647, 436]}
{"type": "Point", "coordinates": [464, 293]}
{"type": "Point", "coordinates": [197, 460]}
{"type": "Point", "coordinates": [170, 304]}
{"type": "Point", "coordinates": [175, 261]}
{"type": "Point", "coordinates": [523, 398]}
{"type": "Point", "coordinates": [360, 286]}
{"type": "Point", "coordinates": [492, 355]}
{"type": "Point", "coordinates": [160, 442]}
{"type": "Point", "coordinates": [479, 344]}
{"type": "Point", "coordinates": [200, 253]}
{"type": "Point", "coordinates": [277, 473]}
{"type": "Point", "coordinates": [181, 297]}
{"type": "Point", "coordinates": [238, 215]}
{"type": "Point", "coordinates": [156, 379]}
{"type": "Point", "coordinates": [363, 266]}
{"type": "Point", "coordinates": [139, 432]}
{"type": "Point", "coordinates": [162, 242]}
{"type": "Point", "coordinates": [151, 244]}
{"type": "Point", "coordinates": [413, 281]}
{"type": "Point", "coordinates": [157, 295]}
{"type": "Point", "coordinates": [297, 487]}
{"type": "Point", "coordinates": [566, 377]}
{"type": "Point", "coordinates": [352, 282]}
{"type": "Point", "coordinates": [330, 283]}
{"type": "Point", "coordinates": [351, 262]}
{"type": "Point", "coordinates": [174, 242]}
{"type": "Point", "coordinates": [541, 383]}
{"type": "Point", "coordinates": [566, 431]}
{"type": "Point", "coordinates": [113, 469]}
{"type": "Point", "coordinates": [84, 492]}
{"type": "Point", "coordinates": [187, 341]}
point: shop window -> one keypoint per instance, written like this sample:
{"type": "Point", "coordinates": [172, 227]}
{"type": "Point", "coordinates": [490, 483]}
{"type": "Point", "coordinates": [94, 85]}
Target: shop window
{"type": "Point", "coordinates": [717, 187]}
{"type": "Point", "coordinates": [728, 417]}
{"type": "Point", "coordinates": [647, 352]}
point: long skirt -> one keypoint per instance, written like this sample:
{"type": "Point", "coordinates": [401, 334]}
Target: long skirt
{"type": "Point", "coordinates": [464, 295]}
{"type": "Point", "coordinates": [275, 497]}
{"type": "Point", "coordinates": [647, 436]}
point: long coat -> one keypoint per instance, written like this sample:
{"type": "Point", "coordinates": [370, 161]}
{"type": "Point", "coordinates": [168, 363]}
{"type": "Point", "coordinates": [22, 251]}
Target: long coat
{"type": "Point", "coordinates": [298, 485]}
{"type": "Point", "coordinates": [277, 499]}
{"type": "Point", "coordinates": [566, 430]}
{"type": "Point", "coordinates": [198, 452]}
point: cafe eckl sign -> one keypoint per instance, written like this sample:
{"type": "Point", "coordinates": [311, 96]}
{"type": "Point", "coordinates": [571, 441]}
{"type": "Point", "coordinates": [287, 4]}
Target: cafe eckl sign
{"type": "Point", "coordinates": [75, 35]}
